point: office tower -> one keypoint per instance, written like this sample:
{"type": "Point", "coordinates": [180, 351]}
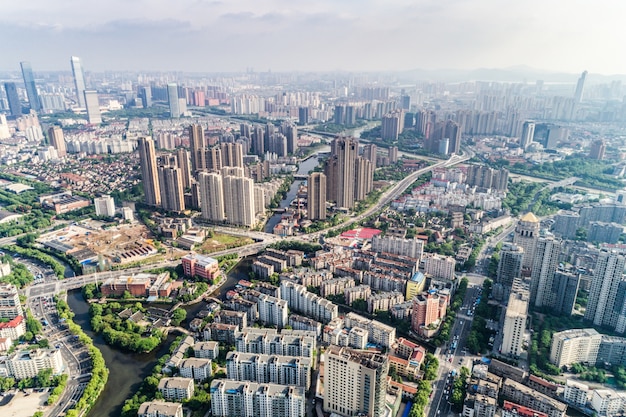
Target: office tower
{"type": "Point", "coordinates": [580, 86]}
{"type": "Point", "coordinates": [211, 196]}
{"type": "Point", "coordinates": [606, 303]}
{"type": "Point", "coordinates": [528, 132]}
{"type": "Point", "coordinates": [316, 198]}
{"type": "Point", "coordinates": [340, 168]}
{"type": "Point", "coordinates": [562, 297]}
{"type": "Point", "coordinates": [526, 235]}
{"type": "Point", "coordinates": [171, 187]}
{"type": "Point", "coordinates": [350, 116]}
{"type": "Point", "coordinates": [149, 171]}
{"type": "Point", "coordinates": [405, 102]}
{"type": "Point", "coordinates": [183, 162]}
{"type": "Point", "coordinates": [145, 93]}
{"type": "Point", "coordinates": [79, 81]}
{"type": "Point", "coordinates": [197, 145]}
{"type": "Point", "coordinates": [31, 87]}
{"type": "Point", "coordinates": [14, 99]}
{"type": "Point", "coordinates": [93, 107]}
{"type": "Point", "coordinates": [546, 260]}
{"type": "Point", "coordinates": [239, 200]}
{"type": "Point", "coordinates": [172, 99]}
{"type": "Point", "coordinates": [515, 320]}
{"type": "Point", "coordinates": [303, 116]}
{"type": "Point", "coordinates": [57, 141]}
{"type": "Point", "coordinates": [364, 177]}
{"type": "Point", "coordinates": [340, 116]}
{"type": "Point", "coordinates": [232, 154]}
{"type": "Point", "coordinates": [510, 264]}
{"type": "Point", "coordinates": [105, 206]}
{"type": "Point", "coordinates": [598, 147]}
{"type": "Point", "coordinates": [355, 382]}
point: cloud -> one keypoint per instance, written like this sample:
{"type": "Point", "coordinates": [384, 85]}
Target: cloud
{"type": "Point", "coordinates": [206, 35]}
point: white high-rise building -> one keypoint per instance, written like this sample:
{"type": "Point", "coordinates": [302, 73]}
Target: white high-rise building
{"type": "Point", "coordinates": [249, 399]}
{"type": "Point", "coordinates": [528, 132]}
{"type": "Point", "coordinates": [606, 306]}
{"type": "Point", "coordinates": [211, 196]}
{"type": "Point", "coordinates": [574, 346]}
{"type": "Point", "coordinates": [105, 206]}
{"type": "Point", "coordinates": [515, 320]}
{"type": "Point", "coordinates": [92, 104]}
{"type": "Point", "coordinates": [405, 247]}
{"type": "Point", "coordinates": [239, 200]}
{"type": "Point", "coordinates": [172, 98]}
{"type": "Point", "coordinates": [526, 235]}
{"type": "Point", "coordinates": [79, 80]}
{"type": "Point", "coordinates": [272, 310]}
{"type": "Point", "coordinates": [544, 267]}
{"type": "Point", "coordinates": [273, 369]}
{"type": "Point", "coordinates": [355, 382]}
{"type": "Point", "coordinates": [10, 306]}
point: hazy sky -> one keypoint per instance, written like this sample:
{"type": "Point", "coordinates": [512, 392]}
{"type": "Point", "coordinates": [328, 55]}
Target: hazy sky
{"type": "Point", "coordinates": [230, 35]}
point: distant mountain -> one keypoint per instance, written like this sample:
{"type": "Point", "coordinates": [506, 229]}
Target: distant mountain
{"type": "Point", "coordinates": [519, 73]}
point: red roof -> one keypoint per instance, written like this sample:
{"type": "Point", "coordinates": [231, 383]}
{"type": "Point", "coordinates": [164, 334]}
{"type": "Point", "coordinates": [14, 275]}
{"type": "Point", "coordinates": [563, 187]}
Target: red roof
{"type": "Point", "coordinates": [13, 323]}
{"type": "Point", "coordinates": [523, 411]}
{"type": "Point", "coordinates": [361, 233]}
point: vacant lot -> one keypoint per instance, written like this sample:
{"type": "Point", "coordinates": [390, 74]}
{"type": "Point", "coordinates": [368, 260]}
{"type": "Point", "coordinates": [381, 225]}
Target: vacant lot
{"type": "Point", "coordinates": [220, 241]}
{"type": "Point", "coordinates": [24, 405]}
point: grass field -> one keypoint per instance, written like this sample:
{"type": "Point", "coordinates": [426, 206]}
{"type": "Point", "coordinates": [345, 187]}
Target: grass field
{"type": "Point", "coordinates": [221, 241]}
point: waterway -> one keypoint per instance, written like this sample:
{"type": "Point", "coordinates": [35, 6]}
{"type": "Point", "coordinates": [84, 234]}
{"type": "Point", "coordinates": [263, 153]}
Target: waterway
{"type": "Point", "coordinates": [127, 370]}
{"type": "Point", "coordinates": [303, 169]}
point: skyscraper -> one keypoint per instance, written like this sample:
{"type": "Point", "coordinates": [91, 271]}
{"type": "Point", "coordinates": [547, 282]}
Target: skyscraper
{"type": "Point", "coordinates": [510, 264]}
{"type": "Point", "coordinates": [562, 298]}
{"type": "Point", "coordinates": [57, 141]}
{"type": "Point", "coordinates": [239, 200]}
{"type": "Point", "coordinates": [515, 320]}
{"type": "Point", "coordinates": [79, 80]}
{"type": "Point", "coordinates": [606, 302]}
{"type": "Point", "coordinates": [580, 87]}
{"type": "Point", "coordinates": [546, 260]}
{"type": "Point", "coordinates": [182, 158]}
{"type": "Point", "coordinates": [528, 132]}
{"type": "Point", "coordinates": [211, 196]}
{"type": "Point", "coordinates": [526, 235]}
{"type": "Point", "coordinates": [316, 198]}
{"type": "Point", "coordinates": [172, 98]}
{"type": "Point", "coordinates": [93, 107]}
{"type": "Point", "coordinates": [363, 178]}
{"type": "Point", "coordinates": [197, 144]}
{"type": "Point", "coordinates": [145, 93]}
{"type": "Point", "coordinates": [232, 154]}
{"type": "Point", "coordinates": [342, 162]}
{"type": "Point", "coordinates": [14, 99]}
{"type": "Point", "coordinates": [149, 171]}
{"type": "Point", "coordinates": [171, 188]}
{"type": "Point", "coordinates": [355, 382]}
{"type": "Point", "coordinates": [391, 126]}
{"type": "Point", "coordinates": [31, 87]}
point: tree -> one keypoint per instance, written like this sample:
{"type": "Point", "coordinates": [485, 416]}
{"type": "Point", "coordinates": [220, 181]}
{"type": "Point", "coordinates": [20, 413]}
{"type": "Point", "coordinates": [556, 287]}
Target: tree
{"type": "Point", "coordinates": [178, 316]}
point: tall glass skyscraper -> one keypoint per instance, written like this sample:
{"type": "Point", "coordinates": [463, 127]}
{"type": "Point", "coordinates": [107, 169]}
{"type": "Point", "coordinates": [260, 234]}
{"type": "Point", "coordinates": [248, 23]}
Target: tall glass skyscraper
{"type": "Point", "coordinates": [172, 97]}
{"type": "Point", "coordinates": [31, 88]}
{"type": "Point", "coordinates": [79, 80]}
{"type": "Point", "coordinates": [13, 98]}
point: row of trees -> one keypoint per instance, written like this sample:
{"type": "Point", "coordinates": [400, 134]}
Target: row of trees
{"type": "Point", "coordinates": [20, 276]}
{"type": "Point", "coordinates": [44, 258]}
{"type": "Point", "coordinates": [478, 339]}
{"type": "Point", "coordinates": [99, 371]}
{"type": "Point", "coordinates": [459, 388]}
{"type": "Point", "coordinates": [457, 301]}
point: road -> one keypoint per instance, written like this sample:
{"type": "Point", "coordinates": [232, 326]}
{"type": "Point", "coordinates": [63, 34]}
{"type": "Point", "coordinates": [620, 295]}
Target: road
{"type": "Point", "coordinates": [453, 359]}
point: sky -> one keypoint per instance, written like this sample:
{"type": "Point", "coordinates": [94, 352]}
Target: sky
{"type": "Point", "coordinates": [314, 35]}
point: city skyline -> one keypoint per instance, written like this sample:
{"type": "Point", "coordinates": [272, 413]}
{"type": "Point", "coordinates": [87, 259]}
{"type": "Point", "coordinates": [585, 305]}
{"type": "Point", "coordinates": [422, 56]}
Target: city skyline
{"type": "Point", "coordinates": [322, 36]}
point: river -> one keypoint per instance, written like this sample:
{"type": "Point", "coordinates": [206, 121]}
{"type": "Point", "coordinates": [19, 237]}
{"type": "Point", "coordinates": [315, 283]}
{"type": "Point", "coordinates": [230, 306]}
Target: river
{"type": "Point", "coordinates": [303, 169]}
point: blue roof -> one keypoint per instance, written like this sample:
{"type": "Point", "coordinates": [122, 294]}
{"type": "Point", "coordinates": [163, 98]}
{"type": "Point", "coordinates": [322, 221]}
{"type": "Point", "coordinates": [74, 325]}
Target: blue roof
{"type": "Point", "coordinates": [418, 277]}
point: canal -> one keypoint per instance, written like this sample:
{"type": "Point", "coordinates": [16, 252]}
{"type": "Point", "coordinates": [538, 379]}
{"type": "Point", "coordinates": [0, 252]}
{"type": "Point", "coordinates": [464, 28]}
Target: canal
{"type": "Point", "coordinates": [303, 169]}
{"type": "Point", "coordinates": [127, 370]}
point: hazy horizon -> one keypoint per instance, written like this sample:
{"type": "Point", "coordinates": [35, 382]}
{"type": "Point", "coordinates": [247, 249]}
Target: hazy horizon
{"type": "Point", "coordinates": [205, 36]}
